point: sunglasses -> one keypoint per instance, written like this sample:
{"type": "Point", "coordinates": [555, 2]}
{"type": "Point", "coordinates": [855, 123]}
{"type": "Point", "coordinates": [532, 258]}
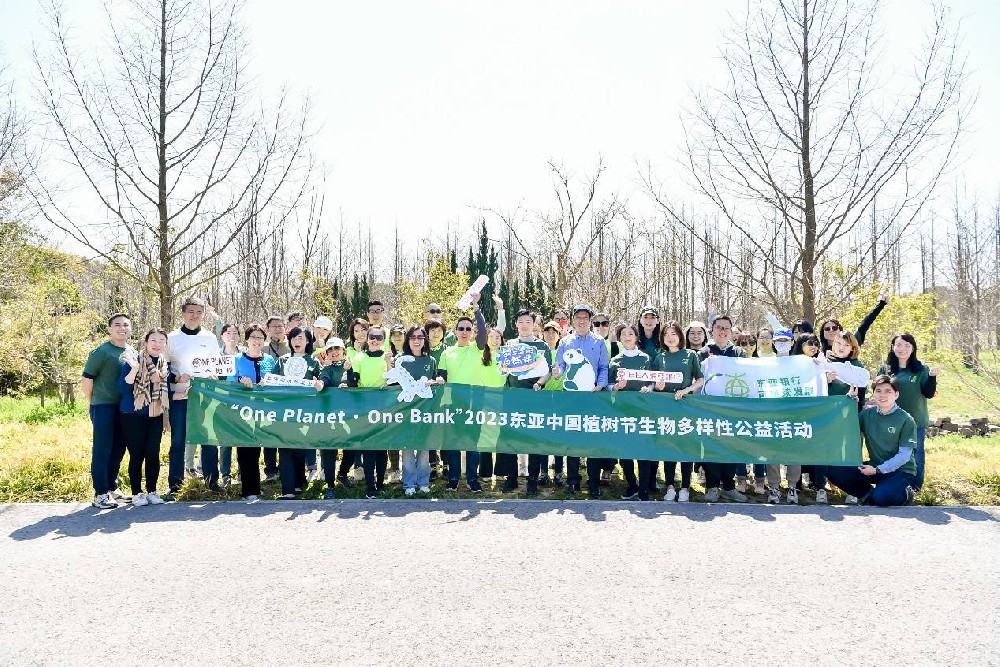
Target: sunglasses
{"type": "Point", "coordinates": [831, 328]}
{"type": "Point", "coordinates": [463, 328]}
{"type": "Point", "coordinates": [602, 324]}
{"type": "Point", "coordinates": [434, 311]}
{"type": "Point", "coordinates": [375, 337]}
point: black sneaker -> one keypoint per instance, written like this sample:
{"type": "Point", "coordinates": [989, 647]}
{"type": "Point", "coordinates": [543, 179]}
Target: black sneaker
{"type": "Point", "coordinates": [631, 493]}
{"type": "Point", "coordinates": [595, 494]}
{"type": "Point", "coordinates": [510, 487]}
{"type": "Point", "coordinates": [329, 494]}
{"type": "Point", "coordinates": [346, 482]}
{"type": "Point", "coordinates": [371, 494]}
{"type": "Point", "coordinates": [560, 480]}
{"type": "Point", "coordinates": [474, 486]}
{"type": "Point", "coordinates": [532, 490]}
{"type": "Point", "coordinates": [170, 497]}
{"type": "Point", "coordinates": [452, 486]}
{"type": "Point", "coordinates": [215, 488]}
{"type": "Point", "coordinates": [543, 480]}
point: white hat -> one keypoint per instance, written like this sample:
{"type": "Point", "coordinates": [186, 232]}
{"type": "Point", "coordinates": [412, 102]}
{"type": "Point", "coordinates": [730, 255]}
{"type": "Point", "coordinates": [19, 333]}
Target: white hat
{"type": "Point", "coordinates": [323, 322]}
{"type": "Point", "coordinates": [335, 342]}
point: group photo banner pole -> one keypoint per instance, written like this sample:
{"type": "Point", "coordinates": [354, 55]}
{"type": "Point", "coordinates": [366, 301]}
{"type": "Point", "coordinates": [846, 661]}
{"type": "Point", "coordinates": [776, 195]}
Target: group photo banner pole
{"type": "Point", "coordinates": [626, 425]}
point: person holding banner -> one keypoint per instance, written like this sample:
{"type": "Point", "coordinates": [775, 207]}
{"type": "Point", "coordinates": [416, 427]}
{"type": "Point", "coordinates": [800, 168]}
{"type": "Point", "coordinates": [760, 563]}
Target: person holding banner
{"type": "Point", "coordinates": [793, 473]}
{"type": "Point", "coordinates": [686, 378]}
{"type": "Point", "coordinates": [461, 364]}
{"type": "Point", "coordinates": [299, 364]}
{"type": "Point", "coordinates": [366, 372]}
{"type": "Point", "coordinates": [843, 349]}
{"type": "Point", "coordinates": [524, 321]}
{"type": "Point", "coordinates": [334, 374]}
{"type": "Point", "coordinates": [491, 377]}
{"type": "Point", "coordinates": [917, 383]}
{"type": "Point", "coordinates": [632, 358]}
{"type": "Point", "coordinates": [582, 360]}
{"type": "Point", "coordinates": [190, 340]}
{"type": "Point", "coordinates": [551, 338]}
{"type": "Point", "coordinates": [229, 335]}
{"type": "Point", "coordinates": [251, 367]}
{"type": "Point", "coordinates": [890, 434]}
{"type": "Point", "coordinates": [419, 364]}
{"type": "Point", "coordinates": [143, 383]}
{"type": "Point", "coordinates": [721, 473]}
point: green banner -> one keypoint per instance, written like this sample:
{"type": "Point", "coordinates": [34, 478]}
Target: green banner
{"type": "Point", "coordinates": [628, 425]}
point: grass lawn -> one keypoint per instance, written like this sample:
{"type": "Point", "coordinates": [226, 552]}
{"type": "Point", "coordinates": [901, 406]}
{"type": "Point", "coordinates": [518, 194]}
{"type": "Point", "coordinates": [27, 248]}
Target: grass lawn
{"type": "Point", "coordinates": [45, 457]}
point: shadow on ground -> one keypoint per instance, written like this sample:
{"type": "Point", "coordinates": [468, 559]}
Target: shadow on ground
{"type": "Point", "coordinates": [86, 520]}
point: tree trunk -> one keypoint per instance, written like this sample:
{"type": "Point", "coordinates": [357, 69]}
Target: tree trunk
{"type": "Point", "coordinates": [809, 245]}
{"type": "Point", "coordinates": [166, 274]}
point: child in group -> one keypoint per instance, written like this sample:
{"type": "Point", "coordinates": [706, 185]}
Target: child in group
{"type": "Point", "coordinates": [783, 343]}
{"type": "Point", "coordinates": [334, 374]}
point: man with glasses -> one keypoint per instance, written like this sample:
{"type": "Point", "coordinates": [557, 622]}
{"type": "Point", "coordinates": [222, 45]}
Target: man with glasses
{"type": "Point", "coordinates": [277, 345]}
{"type": "Point", "coordinates": [595, 351]}
{"type": "Point", "coordinates": [721, 346]}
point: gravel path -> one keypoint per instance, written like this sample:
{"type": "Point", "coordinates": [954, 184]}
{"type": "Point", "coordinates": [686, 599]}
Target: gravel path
{"type": "Point", "coordinates": [508, 582]}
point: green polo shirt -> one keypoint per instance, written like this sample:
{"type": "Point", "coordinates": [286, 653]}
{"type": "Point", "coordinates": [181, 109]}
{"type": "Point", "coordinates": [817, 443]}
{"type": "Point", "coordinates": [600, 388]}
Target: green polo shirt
{"type": "Point", "coordinates": [639, 362]}
{"type": "Point", "coordinates": [103, 367]}
{"type": "Point", "coordinates": [885, 434]}
{"type": "Point", "coordinates": [423, 366]}
{"type": "Point", "coordinates": [911, 397]}
{"type": "Point", "coordinates": [463, 364]}
{"type": "Point", "coordinates": [312, 366]}
{"type": "Point", "coordinates": [685, 362]}
{"type": "Point", "coordinates": [333, 374]}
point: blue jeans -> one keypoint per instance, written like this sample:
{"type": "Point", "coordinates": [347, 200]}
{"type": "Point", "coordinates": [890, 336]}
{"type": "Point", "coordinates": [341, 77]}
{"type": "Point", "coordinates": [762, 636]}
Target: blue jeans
{"type": "Point", "coordinates": [416, 468]}
{"type": "Point", "coordinates": [109, 448]}
{"type": "Point", "coordinates": [226, 461]}
{"type": "Point", "coordinates": [454, 458]}
{"type": "Point", "coordinates": [918, 458]}
{"type": "Point", "coordinates": [178, 432]}
{"type": "Point", "coordinates": [210, 463]}
{"type": "Point", "coordinates": [888, 489]}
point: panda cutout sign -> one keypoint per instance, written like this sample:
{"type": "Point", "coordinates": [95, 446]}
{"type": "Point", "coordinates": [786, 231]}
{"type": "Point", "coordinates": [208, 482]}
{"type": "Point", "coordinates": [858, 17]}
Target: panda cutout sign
{"type": "Point", "coordinates": [580, 374]}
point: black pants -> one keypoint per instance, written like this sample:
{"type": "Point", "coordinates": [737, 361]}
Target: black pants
{"type": "Point", "coordinates": [270, 461]}
{"type": "Point", "coordinates": [329, 459]}
{"type": "Point", "coordinates": [507, 465]}
{"type": "Point", "coordinates": [486, 465]}
{"type": "Point", "coordinates": [292, 463]}
{"type": "Point", "coordinates": [248, 463]}
{"type": "Point", "coordinates": [594, 466]}
{"type": "Point", "coordinates": [375, 462]}
{"type": "Point", "coordinates": [142, 437]}
{"type": "Point", "coordinates": [628, 472]}
{"type": "Point", "coordinates": [720, 472]}
{"type": "Point", "coordinates": [670, 472]}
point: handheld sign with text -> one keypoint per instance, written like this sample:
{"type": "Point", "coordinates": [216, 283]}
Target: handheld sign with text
{"type": "Point", "coordinates": [667, 377]}
{"type": "Point", "coordinates": [475, 288]}
{"type": "Point", "coordinates": [275, 380]}
{"type": "Point", "coordinates": [219, 365]}
{"type": "Point", "coordinates": [522, 361]}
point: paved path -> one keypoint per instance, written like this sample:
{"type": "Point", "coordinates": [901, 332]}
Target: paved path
{"type": "Point", "coordinates": [508, 582]}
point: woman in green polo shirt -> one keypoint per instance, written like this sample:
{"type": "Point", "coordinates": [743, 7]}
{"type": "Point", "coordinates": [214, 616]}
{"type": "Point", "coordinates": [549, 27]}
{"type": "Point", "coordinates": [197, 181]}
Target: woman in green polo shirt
{"type": "Point", "coordinates": [419, 364]}
{"type": "Point", "coordinates": [357, 338]}
{"type": "Point", "coordinates": [917, 383]}
{"type": "Point", "coordinates": [299, 364]}
{"type": "Point", "coordinates": [367, 373]}
{"type": "Point", "coordinates": [688, 379]}
{"type": "Point", "coordinates": [632, 358]}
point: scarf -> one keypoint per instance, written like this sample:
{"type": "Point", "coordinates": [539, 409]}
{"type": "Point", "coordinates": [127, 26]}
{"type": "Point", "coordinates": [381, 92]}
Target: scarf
{"type": "Point", "coordinates": [148, 386]}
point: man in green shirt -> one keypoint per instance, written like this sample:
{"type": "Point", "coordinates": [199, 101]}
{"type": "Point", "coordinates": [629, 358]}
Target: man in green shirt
{"type": "Point", "coordinates": [890, 437]}
{"type": "Point", "coordinates": [100, 386]}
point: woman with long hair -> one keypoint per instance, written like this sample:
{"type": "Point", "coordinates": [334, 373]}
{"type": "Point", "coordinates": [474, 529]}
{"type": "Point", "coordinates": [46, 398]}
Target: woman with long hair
{"type": "Point", "coordinates": [917, 384]}
{"type": "Point", "coordinates": [299, 364]}
{"type": "Point", "coordinates": [417, 361]}
{"type": "Point", "coordinates": [251, 366]}
{"type": "Point", "coordinates": [143, 386]}
{"type": "Point", "coordinates": [683, 361]}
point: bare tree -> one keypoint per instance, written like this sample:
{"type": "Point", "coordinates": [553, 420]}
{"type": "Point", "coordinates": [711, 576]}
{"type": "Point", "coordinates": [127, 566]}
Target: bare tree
{"type": "Point", "coordinates": [804, 132]}
{"type": "Point", "coordinates": [166, 131]}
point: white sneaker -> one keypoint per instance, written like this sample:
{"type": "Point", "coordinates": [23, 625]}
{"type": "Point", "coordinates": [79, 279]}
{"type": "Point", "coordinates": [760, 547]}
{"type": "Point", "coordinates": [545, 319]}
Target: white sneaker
{"type": "Point", "coordinates": [116, 495]}
{"type": "Point", "coordinates": [734, 496]}
{"type": "Point", "coordinates": [741, 485]}
{"type": "Point", "coordinates": [139, 500]}
{"type": "Point", "coordinates": [821, 498]}
{"type": "Point", "coordinates": [250, 500]}
{"type": "Point", "coordinates": [683, 496]}
{"type": "Point", "coordinates": [154, 498]}
{"type": "Point", "coordinates": [712, 495]}
{"type": "Point", "coordinates": [104, 502]}
{"type": "Point", "coordinates": [792, 497]}
{"type": "Point", "coordinates": [774, 496]}
{"type": "Point", "coordinates": [851, 500]}
{"type": "Point", "coordinates": [758, 487]}
{"type": "Point", "coordinates": [671, 495]}
{"type": "Point", "coordinates": [410, 491]}
{"type": "Point", "coordinates": [425, 489]}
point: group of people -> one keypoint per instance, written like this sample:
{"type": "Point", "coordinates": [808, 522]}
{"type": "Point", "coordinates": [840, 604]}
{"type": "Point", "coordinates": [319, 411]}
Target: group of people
{"type": "Point", "coordinates": [130, 390]}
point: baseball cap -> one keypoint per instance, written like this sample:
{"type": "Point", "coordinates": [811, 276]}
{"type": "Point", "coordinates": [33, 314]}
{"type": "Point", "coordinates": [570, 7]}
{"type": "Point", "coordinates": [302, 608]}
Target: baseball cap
{"type": "Point", "coordinates": [582, 307]}
{"type": "Point", "coordinates": [652, 311]}
{"type": "Point", "coordinates": [323, 322]}
{"type": "Point", "coordinates": [335, 342]}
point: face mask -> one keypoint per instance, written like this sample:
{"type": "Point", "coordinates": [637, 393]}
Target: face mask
{"type": "Point", "coordinates": [783, 347]}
